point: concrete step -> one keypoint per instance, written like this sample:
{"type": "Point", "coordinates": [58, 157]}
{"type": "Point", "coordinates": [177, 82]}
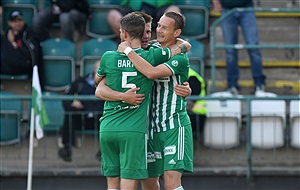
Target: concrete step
{"type": "Point", "coordinates": [280, 87]}
{"type": "Point", "coordinates": [279, 80]}
{"type": "Point", "coordinates": [273, 28]}
{"type": "Point", "coordinates": [270, 64]}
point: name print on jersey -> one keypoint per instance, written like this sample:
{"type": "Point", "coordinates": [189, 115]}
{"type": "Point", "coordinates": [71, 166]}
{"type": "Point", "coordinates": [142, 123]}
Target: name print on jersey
{"type": "Point", "coordinates": [124, 63]}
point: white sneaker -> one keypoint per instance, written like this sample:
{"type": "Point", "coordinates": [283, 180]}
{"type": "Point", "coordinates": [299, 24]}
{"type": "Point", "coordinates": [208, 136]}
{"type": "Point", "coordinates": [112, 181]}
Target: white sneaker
{"type": "Point", "coordinates": [260, 90]}
{"type": "Point", "coordinates": [234, 91]}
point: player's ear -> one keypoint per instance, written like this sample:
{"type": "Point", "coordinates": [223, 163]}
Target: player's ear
{"type": "Point", "coordinates": [125, 34]}
{"type": "Point", "coordinates": [177, 33]}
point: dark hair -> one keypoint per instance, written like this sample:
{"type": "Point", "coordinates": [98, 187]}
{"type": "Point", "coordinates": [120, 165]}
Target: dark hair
{"type": "Point", "coordinates": [134, 24]}
{"type": "Point", "coordinates": [179, 19]}
{"type": "Point", "coordinates": [148, 18]}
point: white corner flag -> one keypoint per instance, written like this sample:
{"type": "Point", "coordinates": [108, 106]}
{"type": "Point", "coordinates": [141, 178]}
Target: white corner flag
{"type": "Point", "coordinates": [41, 117]}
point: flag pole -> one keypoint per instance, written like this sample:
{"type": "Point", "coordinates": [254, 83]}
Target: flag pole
{"type": "Point", "coordinates": [30, 155]}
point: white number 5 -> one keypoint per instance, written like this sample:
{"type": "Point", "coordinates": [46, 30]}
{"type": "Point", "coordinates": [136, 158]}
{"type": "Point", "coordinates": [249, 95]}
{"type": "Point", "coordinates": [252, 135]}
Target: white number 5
{"type": "Point", "coordinates": [124, 79]}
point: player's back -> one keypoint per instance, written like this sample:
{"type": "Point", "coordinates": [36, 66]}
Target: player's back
{"type": "Point", "coordinates": [121, 75]}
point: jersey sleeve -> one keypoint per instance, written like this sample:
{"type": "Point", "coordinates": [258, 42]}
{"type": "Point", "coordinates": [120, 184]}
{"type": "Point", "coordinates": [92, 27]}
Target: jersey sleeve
{"type": "Point", "coordinates": [102, 68]}
{"type": "Point", "coordinates": [161, 55]}
{"type": "Point", "coordinates": [178, 64]}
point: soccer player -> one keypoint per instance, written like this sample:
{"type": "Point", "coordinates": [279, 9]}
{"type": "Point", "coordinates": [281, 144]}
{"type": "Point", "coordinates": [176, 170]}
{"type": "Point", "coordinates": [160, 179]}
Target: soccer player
{"type": "Point", "coordinates": [124, 161]}
{"type": "Point", "coordinates": [173, 140]}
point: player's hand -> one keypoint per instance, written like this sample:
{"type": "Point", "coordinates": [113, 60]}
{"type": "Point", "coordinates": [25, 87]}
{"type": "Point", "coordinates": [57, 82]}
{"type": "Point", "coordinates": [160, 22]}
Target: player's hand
{"type": "Point", "coordinates": [123, 46]}
{"type": "Point", "coordinates": [183, 90]}
{"type": "Point", "coordinates": [131, 97]}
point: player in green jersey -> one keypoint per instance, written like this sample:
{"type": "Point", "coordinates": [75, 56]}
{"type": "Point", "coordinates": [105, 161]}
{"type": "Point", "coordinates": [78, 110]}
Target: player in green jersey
{"type": "Point", "coordinates": [122, 125]}
{"type": "Point", "coordinates": [133, 98]}
{"type": "Point", "coordinates": [172, 129]}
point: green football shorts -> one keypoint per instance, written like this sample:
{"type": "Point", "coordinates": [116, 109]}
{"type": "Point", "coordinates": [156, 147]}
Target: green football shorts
{"type": "Point", "coordinates": [124, 154]}
{"type": "Point", "coordinates": [153, 169]}
{"type": "Point", "coordinates": [174, 149]}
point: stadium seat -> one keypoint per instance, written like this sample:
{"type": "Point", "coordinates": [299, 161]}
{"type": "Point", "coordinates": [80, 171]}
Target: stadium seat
{"type": "Point", "coordinates": [268, 118]}
{"type": "Point", "coordinates": [27, 7]}
{"type": "Point", "coordinates": [55, 112]}
{"type": "Point", "coordinates": [197, 18]}
{"type": "Point", "coordinates": [92, 50]}
{"type": "Point", "coordinates": [295, 123]}
{"type": "Point", "coordinates": [59, 56]}
{"type": "Point", "coordinates": [98, 26]}
{"type": "Point", "coordinates": [223, 123]}
{"type": "Point", "coordinates": [10, 120]}
{"type": "Point", "coordinates": [197, 56]}
{"type": "Point", "coordinates": [14, 77]}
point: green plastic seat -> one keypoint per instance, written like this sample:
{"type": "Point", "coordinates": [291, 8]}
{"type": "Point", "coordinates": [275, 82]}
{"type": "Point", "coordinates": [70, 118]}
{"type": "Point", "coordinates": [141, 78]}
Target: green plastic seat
{"type": "Point", "coordinates": [197, 18]}
{"type": "Point", "coordinates": [10, 119]}
{"type": "Point", "coordinates": [14, 77]}
{"type": "Point", "coordinates": [92, 50]}
{"type": "Point", "coordinates": [59, 56]}
{"type": "Point", "coordinates": [98, 27]}
{"type": "Point", "coordinates": [197, 56]}
{"type": "Point", "coordinates": [203, 3]}
{"type": "Point", "coordinates": [55, 112]}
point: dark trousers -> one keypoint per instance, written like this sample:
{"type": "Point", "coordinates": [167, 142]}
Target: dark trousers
{"type": "Point", "coordinates": [198, 122]}
{"type": "Point", "coordinates": [78, 121]}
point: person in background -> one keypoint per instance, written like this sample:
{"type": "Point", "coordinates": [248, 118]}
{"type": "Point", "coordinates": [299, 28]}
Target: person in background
{"type": "Point", "coordinates": [20, 51]}
{"type": "Point", "coordinates": [197, 109]}
{"type": "Point", "coordinates": [247, 21]}
{"type": "Point", "coordinates": [80, 114]}
{"type": "Point", "coordinates": [71, 15]}
{"type": "Point", "coordinates": [154, 8]}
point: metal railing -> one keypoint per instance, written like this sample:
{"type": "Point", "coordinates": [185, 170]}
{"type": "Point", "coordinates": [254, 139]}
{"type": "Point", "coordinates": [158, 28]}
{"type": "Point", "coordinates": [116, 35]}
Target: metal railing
{"type": "Point", "coordinates": [245, 99]}
{"type": "Point", "coordinates": [214, 46]}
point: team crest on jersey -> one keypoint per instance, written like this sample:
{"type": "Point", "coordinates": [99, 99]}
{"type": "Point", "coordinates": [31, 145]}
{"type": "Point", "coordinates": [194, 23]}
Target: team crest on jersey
{"type": "Point", "coordinates": [175, 63]}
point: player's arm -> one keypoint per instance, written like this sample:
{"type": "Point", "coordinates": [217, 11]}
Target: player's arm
{"type": "Point", "coordinates": [156, 72]}
{"type": "Point", "coordinates": [145, 67]}
{"type": "Point", "coordinates": [104, 92]}
{"type": "Point", "coordinates": [186, 44]}
{"type": "Point", "coordinates": [97, 79]}
{"type": "Point", "coordinates": [180, 43]}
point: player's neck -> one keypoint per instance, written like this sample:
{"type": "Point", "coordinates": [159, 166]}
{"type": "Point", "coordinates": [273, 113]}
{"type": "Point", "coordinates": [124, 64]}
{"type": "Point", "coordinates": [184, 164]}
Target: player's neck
{"type": "Point", "coordinates": [135, 43]}
{"type": "Point", "coordinates": [167, 44]}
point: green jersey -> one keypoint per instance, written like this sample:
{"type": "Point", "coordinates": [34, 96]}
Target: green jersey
{"type": "Point", "coordinates": [121, 75]}
{"type": "Point", "coordinates": [137, 5]}
{"type": "Point", "coordinates": [169, 110]}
